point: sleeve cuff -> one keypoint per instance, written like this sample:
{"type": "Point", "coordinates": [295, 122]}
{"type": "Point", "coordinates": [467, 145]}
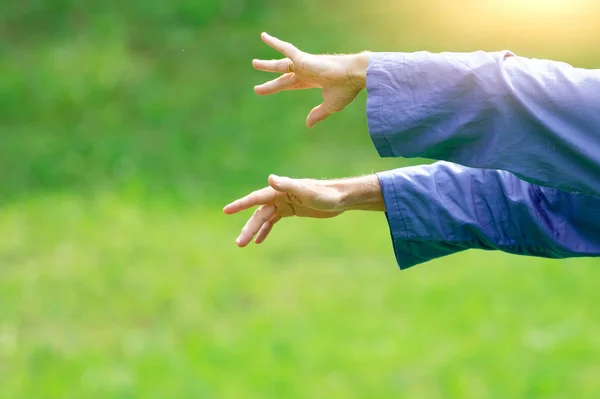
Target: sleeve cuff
{"type": "Point", "coordinates": [412, 220]}
{"type": "Point", "coordinates": [397, 223]}
{"type": "Point", "coordinates": [376, 125]}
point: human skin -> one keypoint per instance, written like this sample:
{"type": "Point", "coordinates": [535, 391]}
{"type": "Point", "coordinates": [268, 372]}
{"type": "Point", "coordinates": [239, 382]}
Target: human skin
{"type": "Point", "coordinates": [321, 199]}
{"type": "Point", "coordinates": [340, 77]}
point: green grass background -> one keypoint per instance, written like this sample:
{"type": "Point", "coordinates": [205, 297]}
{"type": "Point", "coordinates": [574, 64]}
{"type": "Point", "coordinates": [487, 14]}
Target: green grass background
{"type": "Point", "coordinates": [126, 126]}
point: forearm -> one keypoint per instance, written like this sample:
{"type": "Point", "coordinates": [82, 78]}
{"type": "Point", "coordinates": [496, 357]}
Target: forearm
{"type": "Point", "coordinates": [440, 209]}
{"type": "Point", "coordinates": [538, 119]}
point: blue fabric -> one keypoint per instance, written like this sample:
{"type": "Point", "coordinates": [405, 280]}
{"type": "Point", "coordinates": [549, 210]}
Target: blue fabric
{"type": "Point", "coordinates": [535, 118]}
{"type": "Point", "coordinates": [440, 209]}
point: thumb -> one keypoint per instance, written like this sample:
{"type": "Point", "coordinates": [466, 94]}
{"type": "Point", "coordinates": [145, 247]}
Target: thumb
{"type": "Point", "coordinates": [317, 114]}
{"type": "Point", "coordinates": [284, 184]}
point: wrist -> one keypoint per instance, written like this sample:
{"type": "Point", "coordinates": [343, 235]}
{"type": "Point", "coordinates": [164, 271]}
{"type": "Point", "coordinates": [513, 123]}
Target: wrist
{"type": "Point", "coordinates": [361, 193]}
{"type": "Point", "coordinates": [357, 70]}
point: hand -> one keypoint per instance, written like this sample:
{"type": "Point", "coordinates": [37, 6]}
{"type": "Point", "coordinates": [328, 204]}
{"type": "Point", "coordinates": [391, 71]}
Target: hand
{"type": "Point", "coordinates": [341, 77]}
{"type": "Point", "coordinates": [285, 197]}
{"type": "Point", "coordinates": [319, 199]}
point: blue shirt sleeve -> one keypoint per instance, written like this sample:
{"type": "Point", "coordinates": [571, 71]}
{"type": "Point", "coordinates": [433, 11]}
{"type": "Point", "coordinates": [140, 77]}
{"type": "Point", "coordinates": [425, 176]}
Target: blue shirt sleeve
{"type": "Point", "coordinates": [440, 209]}
{"type": "Point", "coordinates": [535, 118]}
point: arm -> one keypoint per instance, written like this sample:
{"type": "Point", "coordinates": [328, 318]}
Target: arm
{"type": "Point", "coordinates": [538, 119]}
{"type": "Point", "coordinates": [437, 210]}
{"type": "Point", "coordinates": [441, 209]}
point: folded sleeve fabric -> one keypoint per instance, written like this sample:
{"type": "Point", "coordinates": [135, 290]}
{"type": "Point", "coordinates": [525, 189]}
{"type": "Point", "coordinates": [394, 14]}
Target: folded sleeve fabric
{"type": "Point", "coordinates": [535, 118]}
{"type": "Point", "coordinates": [441, 209]}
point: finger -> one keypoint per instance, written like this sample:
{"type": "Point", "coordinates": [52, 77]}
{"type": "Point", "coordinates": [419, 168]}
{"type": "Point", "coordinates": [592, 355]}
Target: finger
{"type": "Point", "coordinates": [287, 49]}
{"type": "Point", "coordinates": [280, 66]}
{"type": "Point", "coordinates": [300, 86]}
{"type": "Point", "coordinates": [283, 82]}
{"type": "Point", "coordinates": [286, 185]}
{"type": "Point", "coordinates": [318, 114]}
{"type": "Point", "coordinates": [260, 217]}
{"type": "Point", "coordinates": [265, 230]}
{"type": "Point", "coordinates": [260, 197]}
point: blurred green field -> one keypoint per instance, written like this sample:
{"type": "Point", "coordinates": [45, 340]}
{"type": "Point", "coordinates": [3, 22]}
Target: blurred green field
{"type": "Point", "coordinates": [126, 126]}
